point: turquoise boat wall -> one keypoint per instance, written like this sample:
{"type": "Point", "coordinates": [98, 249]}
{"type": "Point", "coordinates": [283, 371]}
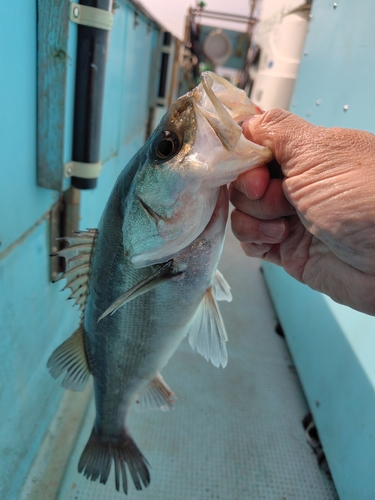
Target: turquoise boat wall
{"type": "Point", "coordinates": [334, 347]}
{"type": "Point", "coordinates": [22, 202]}
{"type": "Point", "coordinates": [335, 69]}
{"type": "Point", "coordinates": [34, 314]}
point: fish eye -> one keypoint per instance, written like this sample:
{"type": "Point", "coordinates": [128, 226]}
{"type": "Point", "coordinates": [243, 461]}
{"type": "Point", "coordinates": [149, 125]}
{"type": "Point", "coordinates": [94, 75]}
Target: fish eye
{"type": "Point", "coordinates": [167, 146]}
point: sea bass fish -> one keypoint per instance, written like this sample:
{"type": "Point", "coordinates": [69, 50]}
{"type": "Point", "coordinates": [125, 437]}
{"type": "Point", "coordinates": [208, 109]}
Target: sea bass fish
{"type": "Point", "coordinates": [147, 277]}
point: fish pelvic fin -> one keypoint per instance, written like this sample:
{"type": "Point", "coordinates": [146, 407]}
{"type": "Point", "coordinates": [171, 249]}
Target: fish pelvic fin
{"type": "Point", "coordinates": [70, 358]}
{"type": "Point", "coordinates": [157, 396]}
{"type": "Point", "coordinates": [77, 262]}
{"type": "Point", "coordinates": [207, 332]}
{"type": "Point", "coordinates": [162, 274]}
{"type": "Point", "coordinates": [99, 453]}
{"type": "Point", "coordinates": [221, 287]}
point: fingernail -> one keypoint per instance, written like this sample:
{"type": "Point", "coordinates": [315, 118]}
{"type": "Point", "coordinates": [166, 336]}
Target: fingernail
{"type": "Point", "coordinates": [273, 229]}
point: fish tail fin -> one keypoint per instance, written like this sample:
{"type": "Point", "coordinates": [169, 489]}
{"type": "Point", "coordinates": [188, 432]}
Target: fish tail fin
{"type": "Point", "coordinates": [99, 453]}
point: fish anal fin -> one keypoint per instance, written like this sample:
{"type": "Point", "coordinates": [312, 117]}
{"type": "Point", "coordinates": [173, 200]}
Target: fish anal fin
{"type": "Point", "coordinates": [99, 453]}
{"type": "Point", "coordinates": [70, 358]}
{"type": "Point", "coordinates": [156, 396]}
{"type": "Point", "coordinates": [207, 332]}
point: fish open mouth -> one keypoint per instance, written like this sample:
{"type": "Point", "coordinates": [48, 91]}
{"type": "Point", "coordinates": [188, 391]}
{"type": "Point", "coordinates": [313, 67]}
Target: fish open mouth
{"type": "Point", "coordinates": [225, 108]}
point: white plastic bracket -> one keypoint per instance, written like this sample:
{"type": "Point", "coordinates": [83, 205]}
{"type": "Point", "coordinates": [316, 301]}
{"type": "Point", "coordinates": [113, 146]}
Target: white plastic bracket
{"type": "Point", "coordinates": [83, 170]}
{"type": "Point", "coordinates": [90, 16]}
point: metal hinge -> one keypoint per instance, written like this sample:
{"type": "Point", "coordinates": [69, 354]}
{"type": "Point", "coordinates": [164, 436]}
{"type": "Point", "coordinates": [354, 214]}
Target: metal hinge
{"type": "Point", "coordinates": [90, 16]}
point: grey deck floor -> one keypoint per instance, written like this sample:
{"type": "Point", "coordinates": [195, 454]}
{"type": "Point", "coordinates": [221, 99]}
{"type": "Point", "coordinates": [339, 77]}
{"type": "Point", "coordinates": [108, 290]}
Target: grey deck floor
{"type": "Point", "coordinates": [236, 433]}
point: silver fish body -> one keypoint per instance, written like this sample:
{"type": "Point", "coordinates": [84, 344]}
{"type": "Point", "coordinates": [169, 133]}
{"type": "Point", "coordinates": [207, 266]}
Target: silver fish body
{"type": "Point", "coordinates": [148, 276]}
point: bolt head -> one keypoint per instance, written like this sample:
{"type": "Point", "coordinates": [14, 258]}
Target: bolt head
{"type": "Point", "coordinates": [76, 12]}
{"type": "Point", "coordinates": [346, 107]}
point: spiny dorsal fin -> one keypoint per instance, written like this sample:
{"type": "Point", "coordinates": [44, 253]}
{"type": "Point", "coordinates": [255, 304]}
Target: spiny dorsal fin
{"type": "Point", "coordinates": [70, 357]}
{"type": "Point", "coordinates": [156, 396]}
{"type": "Point", "coordinates": [77, 260]}
{"type": "Point", "coordinates": [207, 332]}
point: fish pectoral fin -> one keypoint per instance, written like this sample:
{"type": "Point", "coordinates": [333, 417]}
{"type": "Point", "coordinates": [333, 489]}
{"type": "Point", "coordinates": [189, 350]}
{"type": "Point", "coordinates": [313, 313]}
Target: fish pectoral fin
{"type": "Point", "coordinates": [144, 286]}
{"type": "Point", "coordinates": [70, 357]}
{"type": "Point", "coordinates": [156, 396]}
{"type": "Point", "coordinates": [221, 287]}
{"type": "Point", "coordinates": [207, 332]}
{"type": "Point", "coordinates": [99, 453]}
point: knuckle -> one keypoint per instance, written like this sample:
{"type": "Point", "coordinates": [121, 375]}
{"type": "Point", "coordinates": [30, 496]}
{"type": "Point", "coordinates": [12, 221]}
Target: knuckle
{"type": "Point", "coordinates": [275, 116]}
{"type": "Point", "coordinates": [256, 250]}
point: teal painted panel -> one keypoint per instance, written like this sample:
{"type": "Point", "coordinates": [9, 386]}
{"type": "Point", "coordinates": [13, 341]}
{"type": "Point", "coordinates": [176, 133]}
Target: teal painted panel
{"type": "Point", "coordinates": [35, 319]}
{"type": "Point", "coordinates": [56, 61]}
{"type": "Point", "coordinates": [138, 58]}
{"type": "Point", "coordinates": [113, 87]}
{"type": "Point", "coordinates": [22, 202]}
{"type": "Point", "coordinates": [334, 347]}
{"type": "Point", "coordinates": [337, 68]}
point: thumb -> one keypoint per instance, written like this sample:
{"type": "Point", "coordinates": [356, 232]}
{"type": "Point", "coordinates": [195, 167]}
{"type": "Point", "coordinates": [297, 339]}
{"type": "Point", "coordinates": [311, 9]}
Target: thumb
{"type": "Point", "coordinates": [283, 132]}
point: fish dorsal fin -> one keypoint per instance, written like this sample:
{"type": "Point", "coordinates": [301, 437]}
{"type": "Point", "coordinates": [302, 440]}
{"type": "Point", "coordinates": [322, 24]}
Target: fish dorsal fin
{"type": "Point", "coordinates": [70, 357]}
{"type": "Point", "coordinates": [221, 287]}
{"type": "Point", "coordinates": [77, 265]}
{"type": "Point", "coordinates": [156, 396]}
{"type": "Point", "coordinates": [207, 332]}
{"type": "Point", "coordinates": [162, 274]}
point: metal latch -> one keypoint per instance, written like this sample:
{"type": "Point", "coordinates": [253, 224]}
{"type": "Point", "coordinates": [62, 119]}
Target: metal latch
{"type": "Point", "coordinates": [90, 16]}
{"type": "Point", "coordinates": [82, 170]}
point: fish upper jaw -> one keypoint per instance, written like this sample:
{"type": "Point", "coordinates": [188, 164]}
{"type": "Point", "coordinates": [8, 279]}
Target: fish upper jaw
{"type": "Point", "coordinates": [219, 140]}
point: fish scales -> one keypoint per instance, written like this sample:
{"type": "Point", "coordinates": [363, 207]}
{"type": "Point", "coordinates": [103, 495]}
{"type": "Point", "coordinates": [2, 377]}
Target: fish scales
{"type": "Point", "coordinates": [153, 278]}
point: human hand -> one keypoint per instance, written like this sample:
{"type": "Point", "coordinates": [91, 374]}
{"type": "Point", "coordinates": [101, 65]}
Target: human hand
{"type": "Point", "coordinates": [318, 222]}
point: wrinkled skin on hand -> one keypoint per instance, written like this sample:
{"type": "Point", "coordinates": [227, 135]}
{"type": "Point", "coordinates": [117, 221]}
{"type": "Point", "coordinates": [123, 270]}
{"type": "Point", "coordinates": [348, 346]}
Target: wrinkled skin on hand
{"type": "Point", "coordinates": [318, 222]}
